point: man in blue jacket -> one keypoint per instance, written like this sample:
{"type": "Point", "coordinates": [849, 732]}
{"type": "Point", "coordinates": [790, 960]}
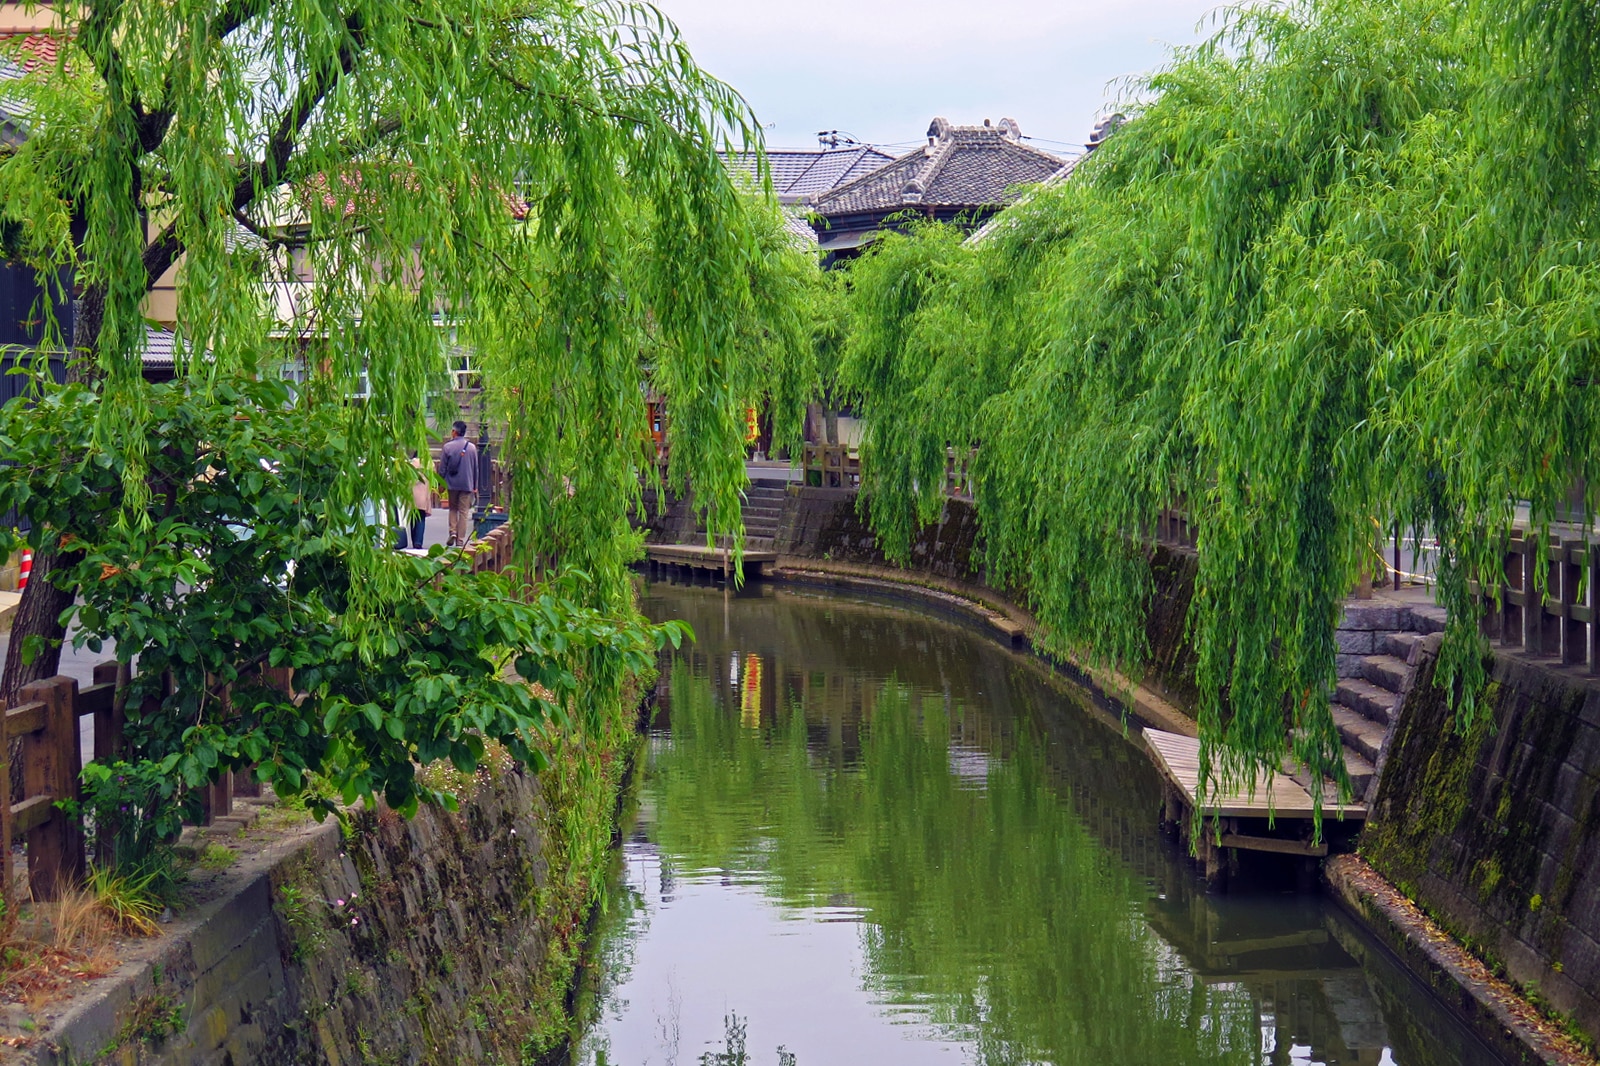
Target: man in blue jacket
{"type": "Point", "coordinates": [458, 465]}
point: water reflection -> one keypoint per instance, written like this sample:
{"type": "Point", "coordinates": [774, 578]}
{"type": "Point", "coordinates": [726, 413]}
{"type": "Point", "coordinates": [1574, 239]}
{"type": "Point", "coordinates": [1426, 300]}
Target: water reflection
{"type": "Point", "coordinates": [868, 835]}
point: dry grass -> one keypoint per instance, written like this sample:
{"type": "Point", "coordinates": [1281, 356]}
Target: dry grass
{"type": "Point", "coordinates": [53, 945]}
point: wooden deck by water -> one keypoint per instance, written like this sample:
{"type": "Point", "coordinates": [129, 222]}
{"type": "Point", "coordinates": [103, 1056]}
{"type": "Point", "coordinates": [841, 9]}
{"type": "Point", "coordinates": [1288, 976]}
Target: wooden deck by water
{"type": "Point", "coordinates": [1178, 758]}
{"type": "Point", "coordinates": [1274, 816]}
{"type": "Point", "coordinates": [714, 560]}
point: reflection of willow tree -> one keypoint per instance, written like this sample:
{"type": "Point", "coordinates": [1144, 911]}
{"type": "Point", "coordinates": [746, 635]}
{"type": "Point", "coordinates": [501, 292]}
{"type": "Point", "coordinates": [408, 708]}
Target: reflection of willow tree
{"type": "Point", "coordinates": [984, 904]}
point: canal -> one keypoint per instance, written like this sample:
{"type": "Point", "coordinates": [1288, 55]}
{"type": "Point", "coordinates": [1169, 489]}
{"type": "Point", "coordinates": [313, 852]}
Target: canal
{"type": "Point", "coordinates": [862, 833]}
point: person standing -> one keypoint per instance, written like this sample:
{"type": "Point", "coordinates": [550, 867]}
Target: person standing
{"type": "Point", "coordinates": [458, 465]}
{"type": "Point", "coordinates": [421, 507]}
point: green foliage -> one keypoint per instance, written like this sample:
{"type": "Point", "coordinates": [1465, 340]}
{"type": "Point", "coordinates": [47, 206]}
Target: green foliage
{"type": "Point", "coordinates": [237, 562]}
{"type": "Point", "coordinates": [218, 857]}
{"type": "Point", "coordinates": [536, 179]}
{"type": "Point", "coordinates": [1329, 278]}
{"type": "Point", "coordinates": [149, 1019]}
{"type": "Point", "coordinates": [132, 814]}
{"type": "Point", "coordinates": [133, 901]}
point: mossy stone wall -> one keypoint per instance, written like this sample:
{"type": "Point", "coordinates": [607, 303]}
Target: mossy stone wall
{"type": "Point", "coordinates": [1495, 832]}
{"type": "Point", "coordinates": [819, 523]}
{"type": "Point", "coordinates": [449, 938]}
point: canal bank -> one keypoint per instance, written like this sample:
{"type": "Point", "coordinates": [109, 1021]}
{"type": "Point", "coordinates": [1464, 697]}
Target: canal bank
{"type": "Point", "coordinates": [441, 939]}
{"type": "Point", "coordinates": [1530, 1004]}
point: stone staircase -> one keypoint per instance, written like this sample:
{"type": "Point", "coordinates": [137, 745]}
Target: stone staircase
{"type": "Point", "coordinates": [763, 506]}
{"type": "Point", "coordinates": [1379, 645]}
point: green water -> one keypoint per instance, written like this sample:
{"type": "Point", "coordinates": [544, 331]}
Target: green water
{"type": "Point", "coordinates": [868, 835]}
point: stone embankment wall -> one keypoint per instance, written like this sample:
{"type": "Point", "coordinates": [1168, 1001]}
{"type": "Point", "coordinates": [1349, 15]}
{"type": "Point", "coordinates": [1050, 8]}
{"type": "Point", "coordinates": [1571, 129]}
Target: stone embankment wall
{"type": "Point", "coordinates": [443, 939]}
{"type": "Point", "coordinates": [1495, 831]}
{"type": "Point", "coordinates": [821, 523]}
{"type": "Point", "coordinates": [824, 524]}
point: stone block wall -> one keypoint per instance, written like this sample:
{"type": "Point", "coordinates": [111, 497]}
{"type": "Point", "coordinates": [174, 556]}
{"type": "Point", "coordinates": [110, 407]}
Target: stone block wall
{"type": "Point", "coordinates": [448, 938]}
{"type": "Point", "coordinates": [1495, 831]}
{"type": "Point", "coordinates": [822, 523]}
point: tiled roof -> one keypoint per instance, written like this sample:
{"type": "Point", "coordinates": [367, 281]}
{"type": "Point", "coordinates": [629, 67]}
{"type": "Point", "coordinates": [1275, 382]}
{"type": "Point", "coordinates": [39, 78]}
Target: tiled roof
{"type": "Point", "coordinates": [1005, 218]}
{"type": "Point", "coordinates": [960, 167]}
{"type": "Point", "coordinates": [30, 48]}
{"type": "Point", "coordinates": [801, 173]}
{"type": "Point", "coordinates": [795, 224]}
{"type": "Point", "coordinates": [157, 347]}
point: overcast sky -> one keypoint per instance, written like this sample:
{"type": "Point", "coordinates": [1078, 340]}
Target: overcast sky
{"type": "Point", "coordinates": [882, 69]}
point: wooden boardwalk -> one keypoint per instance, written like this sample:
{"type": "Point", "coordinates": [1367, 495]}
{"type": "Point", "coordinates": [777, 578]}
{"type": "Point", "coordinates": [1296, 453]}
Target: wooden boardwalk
{"type": "Point", "coordinates": [710, 560]}
{"type": "Point", "coordinates": [1281, 797]}
{"type": "Point", "coordinates": [1275, 816]}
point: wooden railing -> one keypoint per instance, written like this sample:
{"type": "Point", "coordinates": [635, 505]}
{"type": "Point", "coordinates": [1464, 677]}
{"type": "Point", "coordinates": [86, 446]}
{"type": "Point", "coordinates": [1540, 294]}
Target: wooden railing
{"type": "Point", "coordinates": [1173, 527]}
{"type": "Point", "coordinates": [45, 720]}
{"type": "Point", "coordinates": [838, 466]}
{"type": "Point", "coordinates": [958, 472]}
{"type": "Point", "coordinates": [493, 551]}
{"type": "Point", "coordinates": [1560, 622]}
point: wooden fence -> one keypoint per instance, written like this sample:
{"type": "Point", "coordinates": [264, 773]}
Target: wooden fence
{"type": "Point", "coordinates": [493, 551]}
{"type": "Point", "coordinates": [45, 720]}
{"type": "Point", "coordinates": [838, 466]}
{"type": "Point", "coordinates": [1558, 623]}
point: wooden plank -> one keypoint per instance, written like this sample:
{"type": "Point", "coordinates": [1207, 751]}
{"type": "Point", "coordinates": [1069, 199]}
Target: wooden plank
{"type": "Point", "coordinates": [108, 720]}
{"type": "Point", "coordinates": [31, 813]}
{"type": "Point", "coordinates": [24, 719]}
{"type": "Point", "coordinates": [1276, 844]}
{"type": "Point", "coordinates": [1178, 757]}
{"type": "Point", "coordinates": [96, 699]}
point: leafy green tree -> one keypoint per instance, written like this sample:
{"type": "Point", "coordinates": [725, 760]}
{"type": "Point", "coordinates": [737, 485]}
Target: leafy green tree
{"type": "Point", "coordinates": [536, 179]}
{"type": "Point", "coordinates": [539, 177]}
{"type": "Point", "coordinates": [243, 566]}
{"type": "Point", "coordinates": [1336, 274]}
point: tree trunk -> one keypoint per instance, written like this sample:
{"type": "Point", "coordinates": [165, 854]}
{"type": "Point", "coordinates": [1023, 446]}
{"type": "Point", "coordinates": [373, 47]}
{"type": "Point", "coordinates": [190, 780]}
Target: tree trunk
{"type": "Point", "coordinates": [831, 418]}
{"type": "Point", "coordinates": [39, 614]}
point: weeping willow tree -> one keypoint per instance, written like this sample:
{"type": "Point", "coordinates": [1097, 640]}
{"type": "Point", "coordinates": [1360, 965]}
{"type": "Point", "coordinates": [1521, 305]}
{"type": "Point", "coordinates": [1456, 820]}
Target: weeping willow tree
{"type": "Point", "coordinates": [1337, 273]}
{"type": "Point", "coordinates": [536, 179]}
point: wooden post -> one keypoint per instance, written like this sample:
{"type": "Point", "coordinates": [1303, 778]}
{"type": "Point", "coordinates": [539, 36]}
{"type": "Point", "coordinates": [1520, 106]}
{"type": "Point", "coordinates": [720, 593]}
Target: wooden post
{"type": "Point", "coordinates": [1574, 632]}
{"type": "Point", "coordinates": [7, 894]}
{"type": "Point", "coordinates": [108, 721]}
{"type": "Point", "coordinates": [51, 759]}
{"type": "Point", "coordinates": [216, 799]}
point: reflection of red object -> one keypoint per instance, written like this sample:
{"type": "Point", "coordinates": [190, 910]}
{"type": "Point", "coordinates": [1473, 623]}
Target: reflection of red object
{"type": "Point", "coordinates": [27, 568]}
{"type": "Point", "coordinates": [752, 427]}
{"type": "Point", "coordinates": [750, 692]}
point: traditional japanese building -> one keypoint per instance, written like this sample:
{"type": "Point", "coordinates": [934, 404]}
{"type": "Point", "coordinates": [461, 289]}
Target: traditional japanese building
{"type": "Point", "coordinates": [963, 175]}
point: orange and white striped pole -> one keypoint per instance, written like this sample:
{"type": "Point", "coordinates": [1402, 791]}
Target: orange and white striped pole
{"type": "Point", "coordinates": [27, 568]}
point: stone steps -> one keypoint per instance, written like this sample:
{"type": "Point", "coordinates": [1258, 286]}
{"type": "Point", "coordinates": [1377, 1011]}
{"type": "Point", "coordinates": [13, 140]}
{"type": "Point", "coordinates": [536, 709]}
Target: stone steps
{"type": "Point", "coordinates": [1386, 671]}
{"type": "Point", "coordinates": [1377, 651]}
{"type": "Point", "coordinates": [1361, 735]}
{"type": "Point", "coordinates": [1373, 702]}
{"type": "Point", "coordinates": [1400, 645]}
